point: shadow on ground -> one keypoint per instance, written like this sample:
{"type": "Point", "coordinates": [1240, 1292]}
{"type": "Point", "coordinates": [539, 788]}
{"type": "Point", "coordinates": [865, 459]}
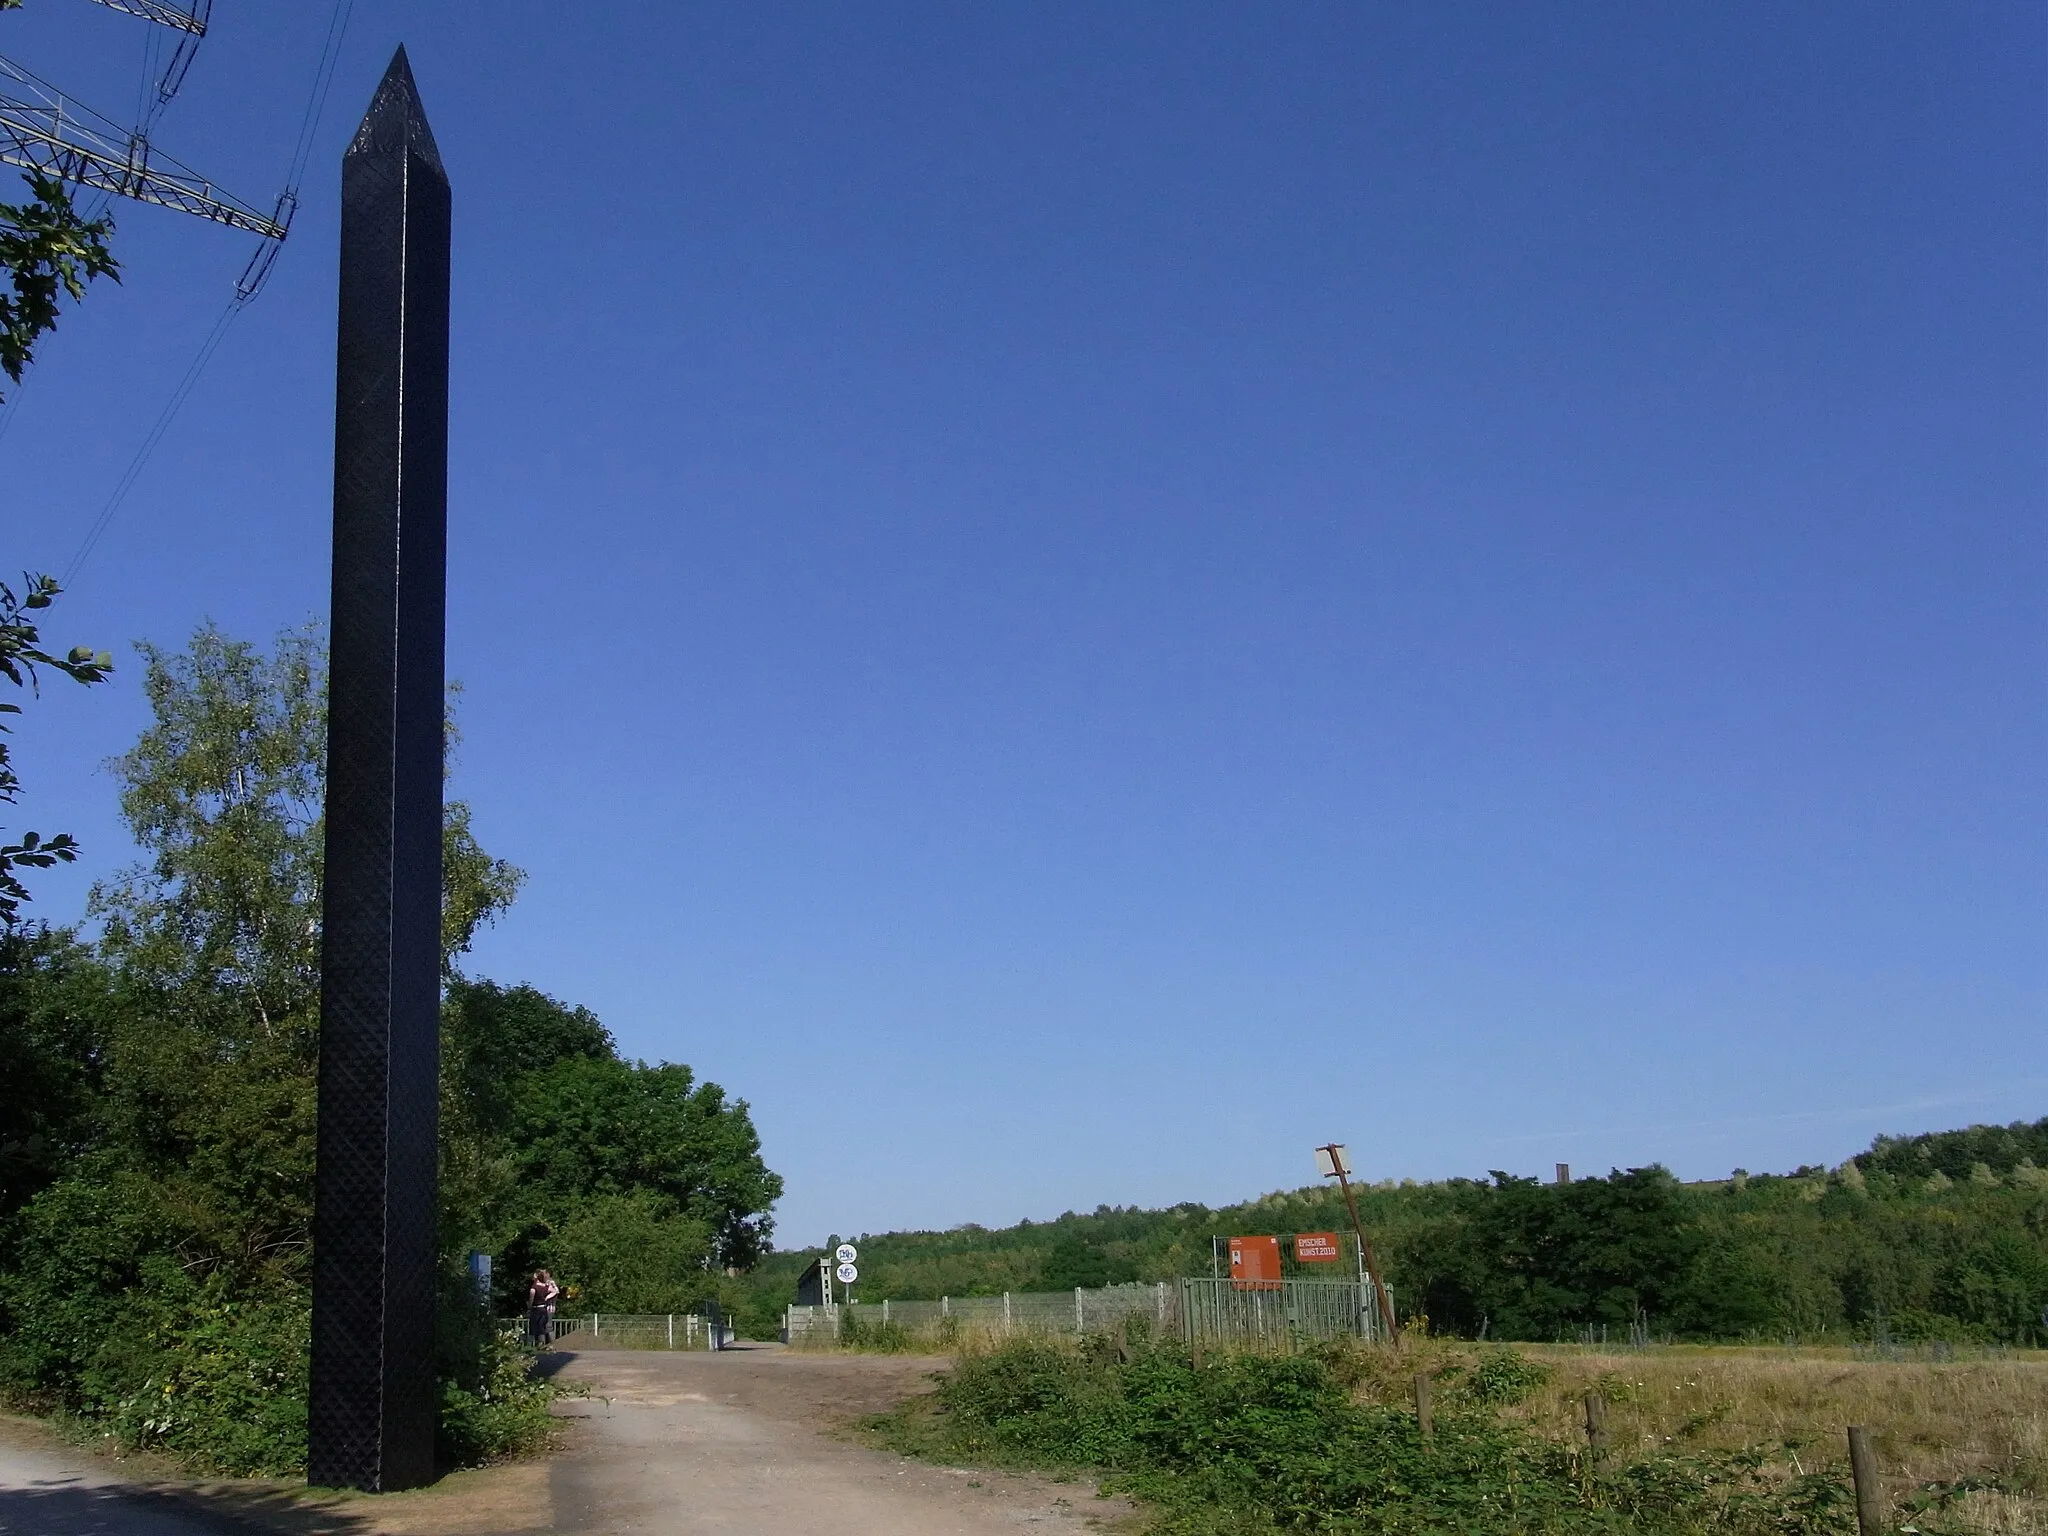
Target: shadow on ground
{"type": "Point", "coordinates": [77, 1508]}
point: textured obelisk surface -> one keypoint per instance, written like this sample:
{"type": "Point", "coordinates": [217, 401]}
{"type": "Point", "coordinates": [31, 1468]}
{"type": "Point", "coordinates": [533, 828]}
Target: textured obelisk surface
{"type": "Point", "coordinates": [372, 1406]}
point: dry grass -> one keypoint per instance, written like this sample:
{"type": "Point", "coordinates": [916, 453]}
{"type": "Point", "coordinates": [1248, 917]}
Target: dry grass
{"type": "Point", "coordinates": [1930, 1423]}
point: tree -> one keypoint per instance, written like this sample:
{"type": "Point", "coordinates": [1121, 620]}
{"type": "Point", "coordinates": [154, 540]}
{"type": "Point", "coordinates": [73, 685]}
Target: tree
{"type": "Point", "coordinates": [49, 253]}
{"type": "Point", "coordinates": [1529, 1260]}
{"type": "Point", "coordinates": [1074, 1261]}
{"type": "Point", "coordinates": [51, 993]}
{"type": "Point", "coordinates": [155, 1204]}
{"type": "Point", "coordinates": [21, 653]}
{"type": "Point", "coordinates": [588, 1127]}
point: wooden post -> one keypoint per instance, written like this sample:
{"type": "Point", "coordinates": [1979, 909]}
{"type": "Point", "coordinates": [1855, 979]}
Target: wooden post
{"type": "Point", "coordinates": [1425, 1414]}
{"type": "Point", "coordinates": [1869, 1497]}
{"type": "Point", "coordinates": [1596, 1423]}
{"type": "Point", "coordinates": [1372, 1263]}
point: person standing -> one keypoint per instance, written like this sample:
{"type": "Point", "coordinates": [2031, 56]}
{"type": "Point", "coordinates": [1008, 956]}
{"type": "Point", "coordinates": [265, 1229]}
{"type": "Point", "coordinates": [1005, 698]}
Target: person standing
{"type": "Point", "coordinates": [541, 1297]}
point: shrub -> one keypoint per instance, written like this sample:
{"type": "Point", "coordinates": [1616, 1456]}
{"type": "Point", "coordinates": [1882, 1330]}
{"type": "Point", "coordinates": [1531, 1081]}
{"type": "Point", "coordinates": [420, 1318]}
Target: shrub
{"type": "Point", "coordinates": [503, 1412]}
{"type": "Point", "coordinates": [1504, 1377]}
{"type": "Point", "coordinates": [226, 1388]}
{"type": "Point", "coordinates": [1259, 1443]}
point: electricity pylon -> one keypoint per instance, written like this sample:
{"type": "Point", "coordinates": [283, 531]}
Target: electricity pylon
{"type": "Point", "coordinates": [191, 22]}
{"type": "Point", "coordinates": [43, 130]}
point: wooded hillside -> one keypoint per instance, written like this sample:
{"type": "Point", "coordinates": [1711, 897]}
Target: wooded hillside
{"type": "Point", "coordinates": [1936, 1236]}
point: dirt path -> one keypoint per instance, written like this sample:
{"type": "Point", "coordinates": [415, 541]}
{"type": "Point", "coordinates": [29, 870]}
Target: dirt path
{"type": "Point", "coordinates": [742, 1442]}
{"type": "Point", "coordinates": [737, 1443]}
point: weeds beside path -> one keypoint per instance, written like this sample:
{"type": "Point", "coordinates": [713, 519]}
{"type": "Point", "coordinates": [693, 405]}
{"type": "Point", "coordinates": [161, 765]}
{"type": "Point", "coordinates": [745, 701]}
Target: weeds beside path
{"type": "Point", "coordinates": [1328, 1441]}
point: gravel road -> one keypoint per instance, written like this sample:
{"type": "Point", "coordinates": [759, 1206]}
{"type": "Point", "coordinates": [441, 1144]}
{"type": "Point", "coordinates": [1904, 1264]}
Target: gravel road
{"type": "Point", "coordinates": [745, 1442]}
{"type": "Point", "coordinates": [740, 1442]}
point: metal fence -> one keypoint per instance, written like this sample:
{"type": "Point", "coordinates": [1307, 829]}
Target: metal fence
{"type": "Point", "coordinates": [1203, 1311]}
{"type": "Point", "coordinates": [623, 1330]}
{"type": "Point", "coordinates": [952, 1318]}
{"type": "Point", "coordinates": [1224, 1312]}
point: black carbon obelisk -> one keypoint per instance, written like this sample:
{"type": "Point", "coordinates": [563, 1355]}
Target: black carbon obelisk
{"type": "Point", "coordinates": [373, 1401]}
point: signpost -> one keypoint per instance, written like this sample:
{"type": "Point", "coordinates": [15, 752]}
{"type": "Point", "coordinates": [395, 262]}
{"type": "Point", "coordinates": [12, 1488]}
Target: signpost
{"type": "Point", "coordinates": [846, 1253]}
{"type": "Point", "coordinates": [1333, 1162]}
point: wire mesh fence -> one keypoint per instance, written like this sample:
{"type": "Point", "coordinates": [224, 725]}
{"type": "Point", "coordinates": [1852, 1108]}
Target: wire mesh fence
{"type": "Point", "coordinates": [657, 1330]}
{"type": "Point", "coordinates": [1203, 1311]}
{"type": "Point", "coordinates": [1277, 1316]}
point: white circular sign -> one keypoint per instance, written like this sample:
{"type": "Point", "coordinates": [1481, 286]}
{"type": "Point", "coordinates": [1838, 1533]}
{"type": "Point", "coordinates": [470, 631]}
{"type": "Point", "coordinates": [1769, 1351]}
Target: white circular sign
{"type": "Point", "coordinates": [848, 1274]}
{"type": "Point", "coordinates": [846, 1253]}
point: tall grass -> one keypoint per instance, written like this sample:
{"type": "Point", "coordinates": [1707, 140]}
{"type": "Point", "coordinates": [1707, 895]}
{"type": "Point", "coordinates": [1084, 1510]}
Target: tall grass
{"type": "Point", "coordinates": [1327, 1440]}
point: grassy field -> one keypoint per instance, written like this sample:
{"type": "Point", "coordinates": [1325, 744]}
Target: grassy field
{"type": "Point", "coordinates": [1702, 1439]}
{"type": "Point", "coordinates": [1980, 1427]}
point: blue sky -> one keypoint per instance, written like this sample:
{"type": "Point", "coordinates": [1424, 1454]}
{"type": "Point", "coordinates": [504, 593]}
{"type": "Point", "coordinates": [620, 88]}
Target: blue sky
{"type": "Point", "coordinates": [1073, 600]}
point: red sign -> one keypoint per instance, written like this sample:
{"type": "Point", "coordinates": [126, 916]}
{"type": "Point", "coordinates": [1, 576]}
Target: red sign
{"type": "Point", "coordinates": [1255, 1263]}
{"type": "Point", "coordinates": [1316, 1248]}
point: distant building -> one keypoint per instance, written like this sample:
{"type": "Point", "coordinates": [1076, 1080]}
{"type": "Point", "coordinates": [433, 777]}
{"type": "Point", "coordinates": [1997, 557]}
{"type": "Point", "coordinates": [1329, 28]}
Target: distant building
{"type": "Point", "coordinates": [810, 1285]}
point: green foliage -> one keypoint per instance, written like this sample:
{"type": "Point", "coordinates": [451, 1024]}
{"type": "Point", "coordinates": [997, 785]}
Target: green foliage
{"type": "Point", "coordinates": [1503, 1377]}
{"type": "Point", "coordinates": [630, 1252]}
{"type": "Point", "coordinates": [1074, 1261]}
{"type": "Point", "coordinates": [226, 1382]}
{"type": "Point", "coordinates": [48, 254]}
{"type": "Point", "coordinates": [1819, 1255]}
{"type": "Point", "coordinates": [871, 1335]}
{"type": "Point", "coordinates": [1956, 1154]}
{"type": "Point", "coordinates": [1535, 1258]}
{"type": "Point", "coordinates": [491, 1036]}
{"type": "Point", "coordinates": [156, 1168]}
{"type": "Point", "coordinates": [495, 1407]}
{"type": "Point", "coordinates": [587, 1126]}
{"type": "Point", "coordinates": [1257, 1443]}
{"type": "Point", "coordinates": [21, 655]}
{"type": "Point", "coordinates": [50, 987]}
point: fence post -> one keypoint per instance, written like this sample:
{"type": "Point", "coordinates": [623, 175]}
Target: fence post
{"type": "Point", "coordinates": [945, 1306]}
{"type": "Point", "coordinates": [1863, 1468]}
{"type": "Point", "coordinates": [885, 1311]}
{"type": "Point", "coordinates": [1596, 1423]}
{"type": "Point", "coordinates": [1080, 1324]}
{"type": "Point", "coordinates": [593, 1325]}
{"type": "Point", "coordinates": [1006, 1311]}
{"type": "Point", "coordinates": [1159, 1306]}
{"type": "Point", "coordinates": [671, 1330]}
{"type": "Point", "coordinates": [1425, 1415]}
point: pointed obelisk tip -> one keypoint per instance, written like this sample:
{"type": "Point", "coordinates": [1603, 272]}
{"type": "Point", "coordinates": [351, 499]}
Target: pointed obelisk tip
{"type": "Point", "coordinates": [396, 123]}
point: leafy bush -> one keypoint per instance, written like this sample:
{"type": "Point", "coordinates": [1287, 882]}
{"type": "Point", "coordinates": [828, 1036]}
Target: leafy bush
{"type": "Point", "coordinates": [226, 1388]}
{"type": "Point", "coordinates": [1256, 1443]}
{"type": "Point", "coordinates": [1505, 1377]}
{"type": "Point", "coordinates": [502, 1412]}
{"type": "Point", "coordinates": [873, 1335]}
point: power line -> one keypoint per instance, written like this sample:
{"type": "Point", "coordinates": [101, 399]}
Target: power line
{"type": "Point", "coordinates": [247, 286]}
{"type": "Point", "coordinates": [162, 425]}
